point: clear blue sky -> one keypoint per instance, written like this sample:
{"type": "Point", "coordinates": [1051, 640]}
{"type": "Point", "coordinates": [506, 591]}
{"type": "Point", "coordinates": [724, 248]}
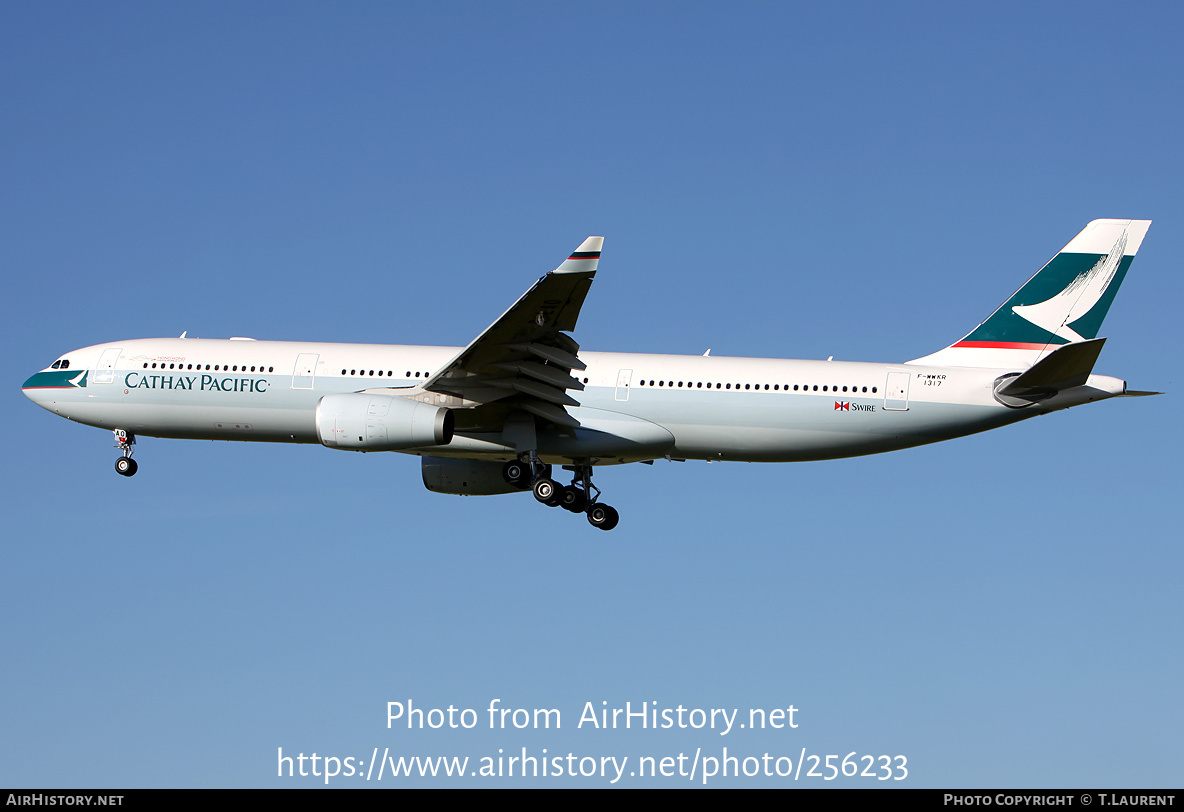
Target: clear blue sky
{"type": "Point", "coordinates": [866, 181]}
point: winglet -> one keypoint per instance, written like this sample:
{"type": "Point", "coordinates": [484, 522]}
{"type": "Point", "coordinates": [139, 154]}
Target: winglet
{"type": "Point", "coordinates": [585, 258]}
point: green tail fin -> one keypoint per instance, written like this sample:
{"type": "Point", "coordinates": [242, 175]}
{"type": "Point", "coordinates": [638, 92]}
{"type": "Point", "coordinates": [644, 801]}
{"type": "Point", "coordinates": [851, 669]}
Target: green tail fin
{"type": "Point", "coordinates": [1064, 302]}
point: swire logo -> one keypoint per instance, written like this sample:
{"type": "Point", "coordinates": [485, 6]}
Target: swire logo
{"type": "Point", "coordinates": [848, 406]}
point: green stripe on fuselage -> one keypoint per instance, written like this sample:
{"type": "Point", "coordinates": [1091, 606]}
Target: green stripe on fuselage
{"type": "Point", "coordinates": [57, 379]}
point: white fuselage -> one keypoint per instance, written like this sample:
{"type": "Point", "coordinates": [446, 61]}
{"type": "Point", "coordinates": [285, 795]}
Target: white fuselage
{"type": "Point", "coordinates": [633, 406]}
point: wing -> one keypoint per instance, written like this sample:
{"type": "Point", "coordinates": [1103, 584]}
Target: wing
{"type": "Point", "coordinates": [525, 358]}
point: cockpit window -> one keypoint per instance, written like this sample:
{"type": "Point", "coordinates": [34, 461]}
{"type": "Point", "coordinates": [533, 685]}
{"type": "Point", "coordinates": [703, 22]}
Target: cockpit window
{"type": "Point", "coordinates": [61, 363]}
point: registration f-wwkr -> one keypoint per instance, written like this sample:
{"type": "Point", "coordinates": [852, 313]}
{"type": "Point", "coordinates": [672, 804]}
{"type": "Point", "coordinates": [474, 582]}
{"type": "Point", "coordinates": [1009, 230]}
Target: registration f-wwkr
{"type": "Point", "coordinates": [500, 414]}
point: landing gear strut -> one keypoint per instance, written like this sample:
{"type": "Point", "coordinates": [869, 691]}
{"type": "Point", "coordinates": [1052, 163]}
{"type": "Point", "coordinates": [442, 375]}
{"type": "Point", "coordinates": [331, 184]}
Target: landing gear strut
{"type": "Point", "coordinates": [600, 516]}
{"type": "Point", "coordinates": [581, 496]}
{"type": "Point", "coordinates": [125, 442]}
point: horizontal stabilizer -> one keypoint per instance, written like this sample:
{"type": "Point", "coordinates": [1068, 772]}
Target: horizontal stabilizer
{"type": "Point", "coordinates": [1063, 368]}
{"type": "Point", "coordinates": [1135, 393]}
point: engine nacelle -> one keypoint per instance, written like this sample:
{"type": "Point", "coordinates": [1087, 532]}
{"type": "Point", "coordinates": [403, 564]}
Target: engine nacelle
{"type": "Point", "coordinates": [465, 477]}
{"type": "Point", "coordinates": [362, 422]}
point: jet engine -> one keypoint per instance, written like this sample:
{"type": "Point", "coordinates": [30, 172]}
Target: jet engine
{"type": "Point", "coordinates": [363, 422]}
{"type": "Point", "coordinates": [465, 477]}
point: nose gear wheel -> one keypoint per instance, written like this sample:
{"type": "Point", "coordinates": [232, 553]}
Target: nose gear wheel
{"type": "Point", "coordinates": [125, 441]}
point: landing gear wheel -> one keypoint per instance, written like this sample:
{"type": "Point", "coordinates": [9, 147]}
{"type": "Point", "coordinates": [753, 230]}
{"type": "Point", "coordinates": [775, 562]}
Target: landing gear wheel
{"type": "Point", "coordinates": [603, 517]}
{"type": "Point", "coordinates": [517, 474]}
{"type": "Point", "coordinates": [573, 499]}
{"type": "Point", "coordinates": [126, 466]}
{"type": "Point", "coordinates": [547, 491]}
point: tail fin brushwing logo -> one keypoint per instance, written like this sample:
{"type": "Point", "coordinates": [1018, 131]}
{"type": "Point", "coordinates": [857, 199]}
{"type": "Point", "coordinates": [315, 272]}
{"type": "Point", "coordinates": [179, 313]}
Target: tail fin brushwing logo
{"type": "Point", "coordinates": [1078, 298]}
{"type": "Point", "coordinates": [1065, 302]}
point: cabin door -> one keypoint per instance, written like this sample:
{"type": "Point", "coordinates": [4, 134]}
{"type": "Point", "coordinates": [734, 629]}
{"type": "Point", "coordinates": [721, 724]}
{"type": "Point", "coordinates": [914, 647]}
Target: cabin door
{"type": "Point", "coordinates": [623, 377]}
{"type": "Point", "coordinates": [105, 371]}
{"type": "Point", "coordinates": [896, 391]}
{"type": "Point", "coordinates": [305, 370]}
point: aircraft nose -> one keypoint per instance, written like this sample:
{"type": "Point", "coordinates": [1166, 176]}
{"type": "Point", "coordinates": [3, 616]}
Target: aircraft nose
{"type": "Point", "coordinates": [39, 388]}
{"type": "Point", "coordinates": [53, 388]}
{"type": "Point", "coordinates": [28, 386]}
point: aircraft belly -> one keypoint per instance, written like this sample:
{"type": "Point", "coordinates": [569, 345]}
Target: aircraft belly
{"type": "Point", "coordinates": [604, 433]}
{"type": "Point", "coordinates": [284, 416]}
{"type": "Point", "coordinates": [758, 427]}
{"type": "Point", "coordinates": [608, 437]}
{"type": "Point", "coordinates": [199, 422]}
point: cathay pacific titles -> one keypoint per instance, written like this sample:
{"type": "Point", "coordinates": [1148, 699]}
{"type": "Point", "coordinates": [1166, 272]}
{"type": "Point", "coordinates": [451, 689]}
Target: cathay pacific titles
{"type": "Point", "coordinates": [134, 380]}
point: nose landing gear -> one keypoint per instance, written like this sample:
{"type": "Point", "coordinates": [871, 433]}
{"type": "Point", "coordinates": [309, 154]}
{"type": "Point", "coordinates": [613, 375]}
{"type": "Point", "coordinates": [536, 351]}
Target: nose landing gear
{"type": "Point", "coordinates": [581, 496]}
{"type": "Point", "coordinates": [125, 442]}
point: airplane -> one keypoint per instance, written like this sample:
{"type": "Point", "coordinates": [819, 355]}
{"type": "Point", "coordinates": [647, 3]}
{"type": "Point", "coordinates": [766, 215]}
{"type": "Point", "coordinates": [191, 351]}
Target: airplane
{"type": "Point", "coordinates": [498, 415]}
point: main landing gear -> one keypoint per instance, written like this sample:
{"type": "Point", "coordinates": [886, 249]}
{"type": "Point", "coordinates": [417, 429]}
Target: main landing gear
{"type": "Point", "coordinates": [581, 496]}
{"type": "Point", "coordinates": [125, 441]}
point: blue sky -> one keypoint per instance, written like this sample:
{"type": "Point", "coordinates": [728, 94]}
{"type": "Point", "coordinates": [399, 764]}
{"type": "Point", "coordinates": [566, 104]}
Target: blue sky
{"type": "Point", "coordinates": [866, 181]}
